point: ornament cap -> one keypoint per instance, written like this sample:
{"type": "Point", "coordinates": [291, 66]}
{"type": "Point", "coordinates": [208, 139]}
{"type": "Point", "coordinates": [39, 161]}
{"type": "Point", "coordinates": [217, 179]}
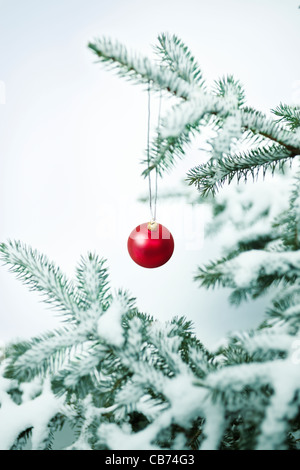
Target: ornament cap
{"type": "Point", "coordinates": [152, 226]}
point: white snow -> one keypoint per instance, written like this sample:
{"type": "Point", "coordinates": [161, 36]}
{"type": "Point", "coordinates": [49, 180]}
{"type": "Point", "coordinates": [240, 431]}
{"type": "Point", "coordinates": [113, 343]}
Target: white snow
{"type": "Point", "coordinates": [245, 267]}
{"type": "Point", "coordinates": [268, 340]}
{"type": "Point", "coordinates": [285, 382]}
{"type": "Point", "coordinates": [249, 208]}
{"type": "Point", "coordinates": [214, 424]}
{"type": "Point", "coordinates": [185, 397]}
{"type": "Point", "coordinates": [282, 375]}
{"type": "Point", "coordinates": [35, 413]}
{"type": "Point", "coordinates": [110, 323]}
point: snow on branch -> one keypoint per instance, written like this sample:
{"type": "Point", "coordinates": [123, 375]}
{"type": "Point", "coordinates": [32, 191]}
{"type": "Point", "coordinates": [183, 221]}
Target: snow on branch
{"type": "Point", "coordinates": [128, 381]}
{"type": "Point", "coordinates": [45, 353]}
{"type": "Point", "coordinates": [267, 341]}
{"type": "Point", "coordinates": [190, 113]}
{"type": "Point", "coordinates": [288, 115]}
{"type": "Point", "coordinates": [37, 408]}
{"type": "Point", "coordinates": [176, 56]}
{"type": "Point", "coordinates": [139, 68]}
{"type": "Point", "coordinates": [92, 278]}
{"type": "Point", "coordinates": [253, 270]}
{"type": "Point", "coordinates": [179, 73]}
{"type": "Point", "coordinates": [209, 176]}
{"type": "Point", "coordinates": [257, 122]}
{"type": "Point", "coordinates": [118, 366]}
{"type": "Point", "coordinates": [39, 274]}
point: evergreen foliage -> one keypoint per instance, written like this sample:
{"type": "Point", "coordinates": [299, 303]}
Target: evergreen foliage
{"type": "Point", "coordinates": [123, 379]}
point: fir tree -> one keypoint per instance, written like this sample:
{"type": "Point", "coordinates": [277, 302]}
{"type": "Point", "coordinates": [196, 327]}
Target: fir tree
{"type": "Point", "coordinates": [121, 378]}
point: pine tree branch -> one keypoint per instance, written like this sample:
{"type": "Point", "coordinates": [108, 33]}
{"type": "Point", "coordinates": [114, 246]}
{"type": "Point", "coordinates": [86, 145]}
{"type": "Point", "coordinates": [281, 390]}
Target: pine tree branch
{"type": "Point", "coordinates": [192, 111]}
{"type": "Point", "coordinates": [164, 152]}
{"type": "Point", "coordinates": [182, 71]}
{"type": "Point", "coordinates": [288, 223]}
{"type": "Point", "coordinates": [39, 274]}
{"type": "Point", "coordinates": [257, 122]}
{"type": "Point", "coordinates": [129, 380]}
{"type": "Point", "coordinates": [92, 280]}
{"type": "Point", "coordinates": [78, 375]}
{"type": "Point", "coordinates": [251, 272]}
{"type": "Point", "coordinates": [230, 88]}
{"type": "Point", "coordinates": [289, 115]}
{"type": "Point", "coordinates": [179, 127]}
{"type": "Point", "coordinates": [209, 176]}
{"type": "Point", "coordinates": [176, 56]}
{"type": "Point", "coordinates": [44, 354]}
{"type": "Point", "coordinates": [139, 68]}
{"type": "Point", "coordinates": [186, 119]}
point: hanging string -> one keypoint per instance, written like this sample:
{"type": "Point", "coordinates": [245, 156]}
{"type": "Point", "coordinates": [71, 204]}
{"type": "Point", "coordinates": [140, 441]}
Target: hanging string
{"type": "Point", "coordinates": [152, 208]}
{"type": "Point", "coordinates": [158, 139]}
{"type": "Point", "coordinates": [148, 150]}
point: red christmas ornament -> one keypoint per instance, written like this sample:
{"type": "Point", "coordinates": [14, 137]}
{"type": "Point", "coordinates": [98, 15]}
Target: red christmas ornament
{"type": "Point", "coordinates": [150, 245]}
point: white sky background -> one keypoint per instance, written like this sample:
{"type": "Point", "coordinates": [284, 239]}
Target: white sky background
{"type": "Point", "coordinates": [72, 136]}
